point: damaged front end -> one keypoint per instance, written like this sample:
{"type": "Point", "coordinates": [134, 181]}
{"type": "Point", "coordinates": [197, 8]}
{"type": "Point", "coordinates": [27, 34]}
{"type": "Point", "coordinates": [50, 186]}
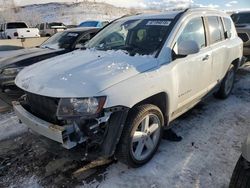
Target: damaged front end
{"type": "Point", "coordinates": [71, 122]}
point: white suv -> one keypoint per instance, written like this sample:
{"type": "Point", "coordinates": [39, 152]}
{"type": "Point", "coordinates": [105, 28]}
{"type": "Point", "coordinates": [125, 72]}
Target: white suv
{"type": "Point", "coordinates": [135, 76]}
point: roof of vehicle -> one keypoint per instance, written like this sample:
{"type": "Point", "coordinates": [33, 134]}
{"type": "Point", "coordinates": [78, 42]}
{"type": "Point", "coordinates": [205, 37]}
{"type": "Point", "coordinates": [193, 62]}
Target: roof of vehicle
{"type": "Point", "coordinates": [173, 14]}
{"type": "Point", "coordinates": [242, 11]}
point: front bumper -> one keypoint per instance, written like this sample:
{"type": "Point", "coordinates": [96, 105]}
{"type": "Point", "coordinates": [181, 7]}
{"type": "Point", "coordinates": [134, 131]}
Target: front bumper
{"type": "Point", "coordinates": [71, 135]}
{"type": "Point", "coordinates": [54, 132]}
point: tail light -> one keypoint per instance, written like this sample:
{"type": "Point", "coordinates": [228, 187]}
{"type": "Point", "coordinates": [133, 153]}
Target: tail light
{"type": "Point", "coordinates": [16, 34]}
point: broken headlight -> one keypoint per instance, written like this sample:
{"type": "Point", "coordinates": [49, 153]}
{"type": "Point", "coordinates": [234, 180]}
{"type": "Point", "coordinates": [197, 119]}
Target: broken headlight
{"type": "Point", "coordinates": [78, 107]}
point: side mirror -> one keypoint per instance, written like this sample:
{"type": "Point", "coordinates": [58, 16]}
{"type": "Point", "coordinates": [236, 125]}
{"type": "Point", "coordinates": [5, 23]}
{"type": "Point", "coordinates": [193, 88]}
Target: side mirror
{"type": "Point", "coordinates": [187, 48]}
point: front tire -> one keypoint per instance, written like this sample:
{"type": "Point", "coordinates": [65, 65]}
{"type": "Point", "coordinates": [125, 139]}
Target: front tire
{"type": "Point", "coordinates": [141, 136]}
{"type": "Point", "coordinates": [241, 174]}
{"type": "Point", "coordinates": [227, 84]}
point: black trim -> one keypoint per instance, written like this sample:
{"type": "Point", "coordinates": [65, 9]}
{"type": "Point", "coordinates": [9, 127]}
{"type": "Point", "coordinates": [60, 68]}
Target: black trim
{"type": "Point", "coordinates": [114, 130]}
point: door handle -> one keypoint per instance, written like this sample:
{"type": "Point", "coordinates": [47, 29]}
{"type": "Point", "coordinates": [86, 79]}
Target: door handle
{"type": "Point", "coordinates": [206, 58]}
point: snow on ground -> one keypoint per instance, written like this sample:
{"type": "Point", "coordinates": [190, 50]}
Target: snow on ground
{"type": "Point", "coordinates": [212, 136]}
{"type": "Point", "coordinates": [10, 127]}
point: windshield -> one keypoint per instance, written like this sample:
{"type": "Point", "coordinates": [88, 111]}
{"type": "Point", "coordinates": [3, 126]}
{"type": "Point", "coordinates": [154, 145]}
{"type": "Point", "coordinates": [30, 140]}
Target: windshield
{"type": "Point", "coordinates": [15, 25]}
{"type": "Point", "coordinates": [89, 24]}
{"type": "Point", "coordinates": [143, 37]}
{"type": "Point", "coordinates": [241, 18]}
{"type": "Point", "coordinates": [61, 40]}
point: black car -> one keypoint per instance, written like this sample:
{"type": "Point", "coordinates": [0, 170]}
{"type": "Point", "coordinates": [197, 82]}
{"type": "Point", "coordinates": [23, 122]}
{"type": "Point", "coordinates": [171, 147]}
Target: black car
{"type": "Point", "coordinates": [58, 44]}
{"type": "Point", "coordinates": [242, 24]}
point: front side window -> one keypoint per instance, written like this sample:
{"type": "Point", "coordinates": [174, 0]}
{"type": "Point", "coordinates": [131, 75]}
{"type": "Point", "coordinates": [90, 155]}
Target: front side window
{"type": "Point", "coordinates": [42, 26]}
{"type": "Point", "coordinates": [141, 36]}
{"type": "Point", "coordinates": [194, 31]}
{"type": "Point", "coordinates": [215, 29]}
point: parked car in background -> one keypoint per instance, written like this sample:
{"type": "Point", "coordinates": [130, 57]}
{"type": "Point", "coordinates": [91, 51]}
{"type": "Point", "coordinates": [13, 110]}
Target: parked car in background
{"type": "Point", "coordinates": [242, 23]}
{"type": "Point", "coordinates": [241, 173]}
{"type": "Point", "coordinates": [8, 50]}
{"type": "Point", "coordinates": [60, 43]}
{"type": "Point", "coordinates": [98, 24]}
{"type": "Point", "coordinates": [135, 77]}
{"type": "Point", "coordinates": [17, 30]}
{"type": "Point", "coordinates": [49, 29]}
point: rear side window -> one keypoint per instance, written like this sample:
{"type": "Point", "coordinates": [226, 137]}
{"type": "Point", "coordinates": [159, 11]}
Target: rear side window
{"type": "Point", "coordinates": [15, 25]}
{"type": "Point", "coordinates": [195, 31]}
{"type": "Point", "coordinates": [215, 29]}
{"type": "Point", "coordinates": [228, 27]}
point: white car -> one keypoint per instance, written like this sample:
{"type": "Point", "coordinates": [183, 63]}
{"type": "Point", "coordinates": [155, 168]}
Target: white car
{"type": "Point", "coordinates": [17, 30]}
{"type": "Point", "coordinates": [49, 29]}
{"type": "Point", "coordinates": [135, 76]}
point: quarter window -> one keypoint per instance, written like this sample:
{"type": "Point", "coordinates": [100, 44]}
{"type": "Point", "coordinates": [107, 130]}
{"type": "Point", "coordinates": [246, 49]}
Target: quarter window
{"type": "Point", "coordinates": [215, 29]}
{"type": "Point", "coordinates": [195, 31]}
{"type": "Point", "coordinates": [228, 27]}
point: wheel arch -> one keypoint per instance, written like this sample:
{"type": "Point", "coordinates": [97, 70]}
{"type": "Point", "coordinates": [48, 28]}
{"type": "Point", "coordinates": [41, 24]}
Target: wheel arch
{"type": "Point", "coordinates": [161, 100]}
{"type": "Point", "coordinates": [236, 63]}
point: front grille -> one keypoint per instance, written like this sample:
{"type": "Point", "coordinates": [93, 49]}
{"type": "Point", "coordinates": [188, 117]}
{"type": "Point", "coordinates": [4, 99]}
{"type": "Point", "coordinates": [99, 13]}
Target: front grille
{"type": "Point", "coordinates": [243, 37]}
{"type": "Point", "coordinates": [43, 107]}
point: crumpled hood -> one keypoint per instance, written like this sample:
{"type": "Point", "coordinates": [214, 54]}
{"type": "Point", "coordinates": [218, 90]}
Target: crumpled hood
{"type": "Point", "coordinates": [82, 73]}
{"type": "Point", "coordinates": [10, 58]}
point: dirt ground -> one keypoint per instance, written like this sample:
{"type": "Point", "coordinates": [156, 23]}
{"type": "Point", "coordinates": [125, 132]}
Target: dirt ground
{"type": "Point", "coordinates": [212, 135]}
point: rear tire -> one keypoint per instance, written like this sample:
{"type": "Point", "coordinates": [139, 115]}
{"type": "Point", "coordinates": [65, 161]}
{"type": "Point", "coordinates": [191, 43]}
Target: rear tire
{"type": "Point", "coordinates": [241, 174]}
{"type": "Point", "coordinates": [227, 84]}
{"type": "Point", "coordinates": [141, 136]}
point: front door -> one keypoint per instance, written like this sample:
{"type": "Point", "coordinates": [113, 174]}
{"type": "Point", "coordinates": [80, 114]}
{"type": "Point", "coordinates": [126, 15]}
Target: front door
{"type": "Point", "coordinates": [193, 72]}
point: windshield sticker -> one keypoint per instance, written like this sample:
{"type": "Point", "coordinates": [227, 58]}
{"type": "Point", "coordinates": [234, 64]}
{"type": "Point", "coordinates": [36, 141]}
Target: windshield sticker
{"type": "Point", "coordinates": [72, 34]}
{"type": "Point", "coordinates": [159, 23]}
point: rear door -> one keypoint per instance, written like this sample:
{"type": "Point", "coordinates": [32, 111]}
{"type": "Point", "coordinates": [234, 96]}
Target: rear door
{"type": "Point", "coordinates": [193, 73]}
{"type": "Point", "coordinates": [218, 46]}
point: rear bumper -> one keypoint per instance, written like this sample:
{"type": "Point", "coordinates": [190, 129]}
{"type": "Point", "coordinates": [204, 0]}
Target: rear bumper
{"type": "Point", "coordinates": [54, 132]}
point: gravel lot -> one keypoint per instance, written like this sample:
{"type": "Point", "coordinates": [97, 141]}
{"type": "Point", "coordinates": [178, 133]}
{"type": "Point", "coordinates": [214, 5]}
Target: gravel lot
{"type": "Point", "coordinates": [212, 136]}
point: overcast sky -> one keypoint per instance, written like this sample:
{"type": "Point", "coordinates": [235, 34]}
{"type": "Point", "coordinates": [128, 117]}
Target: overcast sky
{"type": "Point", "coordinates": [224, 4]}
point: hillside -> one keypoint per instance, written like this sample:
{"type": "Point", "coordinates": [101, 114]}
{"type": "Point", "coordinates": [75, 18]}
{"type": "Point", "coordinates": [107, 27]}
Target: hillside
{"type": "Point", "coordinates": [69, 13]}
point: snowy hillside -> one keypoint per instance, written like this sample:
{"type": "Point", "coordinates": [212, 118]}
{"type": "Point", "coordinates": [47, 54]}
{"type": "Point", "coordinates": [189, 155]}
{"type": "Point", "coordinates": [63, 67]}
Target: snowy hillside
{"type": "Point", "coordinates": [68, 13]}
